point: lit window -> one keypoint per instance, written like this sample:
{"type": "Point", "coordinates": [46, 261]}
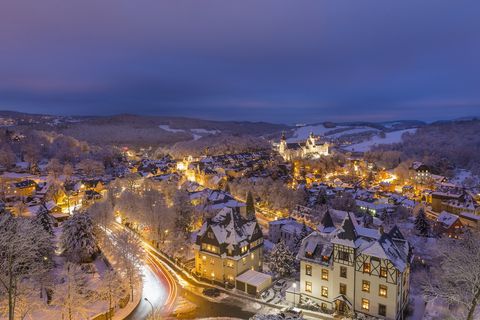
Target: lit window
{"type": "Point", "coordinates": [383, 272]}
{"type": "Point", "coordinates": [366, 267]}
{"type": "Point", "coordinates": [343, 288]}
{"type": "Point", "coordinates": [343, 272]}
{"type": "Point", "coordinates": [366, 286]}
{"type": "Point", "coordinates": [244, 260]}
{"type": "Point", "coordinates": [324, 292]}
{"type": "Point", "coordinates": [382, 310]}
{"type": "Point", "coordinates": [382, 291]}
{"type": "Point", "coordinates": [230, 263]}
{"type": "Point", "coordinates": [204, 258]}
{"type": "Point", "coordinates": [308, 286]}
{"type": "Point", "coordinates": [365, 304]}
{"type": "Point", "coordinates": [308, 270]}
{"type": "Point", "coordinates": [252, 255]}
{"type": "Point", "coordinates": [324, 274]}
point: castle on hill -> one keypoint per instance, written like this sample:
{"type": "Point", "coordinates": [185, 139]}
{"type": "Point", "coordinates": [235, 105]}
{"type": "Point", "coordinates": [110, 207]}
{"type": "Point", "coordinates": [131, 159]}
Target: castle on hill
{"type": "Point", "coordinates": [311, 148]}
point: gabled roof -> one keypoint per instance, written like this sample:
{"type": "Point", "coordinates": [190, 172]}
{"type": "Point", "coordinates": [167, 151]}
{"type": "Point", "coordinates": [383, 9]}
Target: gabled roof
{"type": "Point", "coordinates": [315, 247]}
{"type": "Point", "coordinates": [395, 233]}
{"type": "Point", "coordinates": [447, 219]}
{"type": "Point", "coordinates": [327, 225]}
{"type": "Point", "coordinates": [348, 234]}
{"type": "Point", "coordinates": [230, 228]}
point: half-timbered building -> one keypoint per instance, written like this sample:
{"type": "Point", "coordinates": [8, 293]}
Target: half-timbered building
{"type": "Point", "coordinates": [356, 270]}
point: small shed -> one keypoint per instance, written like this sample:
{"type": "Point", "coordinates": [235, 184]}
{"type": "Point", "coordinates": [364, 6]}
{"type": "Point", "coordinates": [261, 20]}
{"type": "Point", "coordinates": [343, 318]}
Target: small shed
{"type": "Point", "coordinates": [253, 282]}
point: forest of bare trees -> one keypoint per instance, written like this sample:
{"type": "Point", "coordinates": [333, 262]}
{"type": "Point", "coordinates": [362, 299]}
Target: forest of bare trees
{"type": "Point", "coordinates": [443, 146]}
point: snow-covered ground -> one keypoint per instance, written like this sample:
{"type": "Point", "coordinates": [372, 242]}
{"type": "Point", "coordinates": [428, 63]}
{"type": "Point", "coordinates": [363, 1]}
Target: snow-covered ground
{"type": "Point", "coordinates": [390, 137]}
{"type": "Point", "coordinates": [302, 133]}
{"type": "Point", "coordinates": [166, 127]}
{"type": "Point", "coordinates": [197, 133]}
{"type": "Point", "coordinates": [352, 131]}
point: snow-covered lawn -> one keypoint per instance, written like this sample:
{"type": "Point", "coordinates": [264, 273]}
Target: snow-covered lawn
{"type": "Point", "coordinates": [390, 137]}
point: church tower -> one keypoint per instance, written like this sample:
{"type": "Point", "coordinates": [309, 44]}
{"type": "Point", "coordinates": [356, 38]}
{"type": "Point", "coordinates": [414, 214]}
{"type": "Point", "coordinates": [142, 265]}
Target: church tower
{"type": "Point", "coordinates": [283, 145]}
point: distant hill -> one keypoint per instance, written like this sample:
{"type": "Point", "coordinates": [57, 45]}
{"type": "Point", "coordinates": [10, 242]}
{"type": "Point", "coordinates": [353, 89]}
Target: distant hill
{"type": "Point", "coordinates": [136, 130]}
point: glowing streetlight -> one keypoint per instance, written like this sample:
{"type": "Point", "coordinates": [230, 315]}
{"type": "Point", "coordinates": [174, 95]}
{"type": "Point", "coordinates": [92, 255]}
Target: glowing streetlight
{"type": "Point", "coordinates": [151, 305]}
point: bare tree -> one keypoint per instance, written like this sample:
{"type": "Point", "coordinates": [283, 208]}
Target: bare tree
{"type": "Point", "coordinates": [72, 295]}
{"type": "Point", "coordinates": [457, 279]}
{"type": "Point", "coordinates": [130, 256]}
{"type": "Point", "coordinates": [111, 289]}
{"type": "Point", "coordinates": [25, 251]}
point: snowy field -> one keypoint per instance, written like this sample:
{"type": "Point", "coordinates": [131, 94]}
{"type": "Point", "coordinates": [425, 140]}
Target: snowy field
{"type": "Point", "coordinates": [302, 133]}
{"type": "Point", "coordinates": [390, 137]}
{"type": "Point", "coordinates": [197, 133]}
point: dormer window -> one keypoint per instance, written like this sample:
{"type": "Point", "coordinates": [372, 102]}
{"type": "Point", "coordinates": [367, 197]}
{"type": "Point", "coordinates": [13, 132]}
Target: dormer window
{"type": "Point", "coordinates": [210, 235]}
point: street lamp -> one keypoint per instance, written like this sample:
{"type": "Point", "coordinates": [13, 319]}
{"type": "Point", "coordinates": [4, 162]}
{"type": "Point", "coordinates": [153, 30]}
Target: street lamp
{"type": "Point", "coordinates": [151, 305]}
{"type": "Point", "coordinates": [294, 294]}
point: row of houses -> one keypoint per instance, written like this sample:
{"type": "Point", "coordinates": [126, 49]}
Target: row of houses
{"type": "Point", "coordinates": [344, 266]}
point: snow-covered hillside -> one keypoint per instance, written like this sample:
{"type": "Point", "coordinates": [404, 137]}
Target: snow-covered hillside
{"type": "Point", "coordinates": [196, 133]}
{"type": "Point", "coordinates": [390, 137]}
{"type": "Point", "coordinates": [302, 133]}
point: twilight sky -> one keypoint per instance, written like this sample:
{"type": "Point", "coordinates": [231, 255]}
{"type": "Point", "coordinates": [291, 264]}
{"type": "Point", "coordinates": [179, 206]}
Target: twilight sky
{"type": "Point", "coordinates": [273, 60]}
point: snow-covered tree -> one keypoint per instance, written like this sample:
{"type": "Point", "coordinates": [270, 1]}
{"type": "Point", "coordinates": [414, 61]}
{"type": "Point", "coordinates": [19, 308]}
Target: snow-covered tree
{"type": "Point", "coordinates": [299, 237]}
{"type": "Point", "coordinates": [102, 216]}
{"type": "Point", "coordinates": [130, 254]}
{"type": "Point", "coordinates": [71, 296]}
{"type": "Point", "coordinates": [91, 168]}
{"type": "Point", "coordinates": [250, 206]}
{"type": "Point", "coordinates": [456, 279]}
{"type": "Point", "coordinates": [184, 213]}
{"type": "Point", "coordinates": [25, 252]}
{"type": "Point", "coordinates": [344, 201]}
{"type": "Point", "coordinates": [77, 240]}
{"type": "Point", "coordinates": [422, 224]}
{"type": "Point", "coordinates": [281, 261]}
{"type": "Point", "coordinates": [45, 220]}
{"type": "Point", "coordinates": [54, 168]}
{"type": "Point", "coordinates": [112, 288]}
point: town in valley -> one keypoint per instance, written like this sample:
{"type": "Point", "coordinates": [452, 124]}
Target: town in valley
{"type": "Point", "coordinates": [309, 221]}
{"type": "Point", "coordinates": [239, 160]}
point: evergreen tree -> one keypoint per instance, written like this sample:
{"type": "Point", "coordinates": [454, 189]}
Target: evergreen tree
{"type": "Point", "coordinates": [299, 237]}
{"type": "Point", "coordinates": [421, 223]}
{"type": "Point", "coordinates": [45, 220]}
{"type": "Point", "coordinates": [322, 197]}
{"type": "Point", "coordinates": [250, 206]}
{"type": "Point", "coordinates": [282, 261]}
{"type": "Point", "coordinates": [77, 240]}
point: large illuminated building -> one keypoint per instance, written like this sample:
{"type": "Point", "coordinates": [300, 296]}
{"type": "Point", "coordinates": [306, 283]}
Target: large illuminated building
{"type": "Point", "coordinates": [311, 148]}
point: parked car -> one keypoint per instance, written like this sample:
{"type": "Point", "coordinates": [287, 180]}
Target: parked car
{"type": "Point", "coordinates": [279, 285]}
{"type": "Point", "coordinates": [211, 292]}
{"type": "Point", "coordinates": [291, 313]}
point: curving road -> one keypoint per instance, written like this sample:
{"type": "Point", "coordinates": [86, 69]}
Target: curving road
{"type": "Point", "coordinates": [158, 287]}
{"type": "Point", "coordinates": [162, 286]}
